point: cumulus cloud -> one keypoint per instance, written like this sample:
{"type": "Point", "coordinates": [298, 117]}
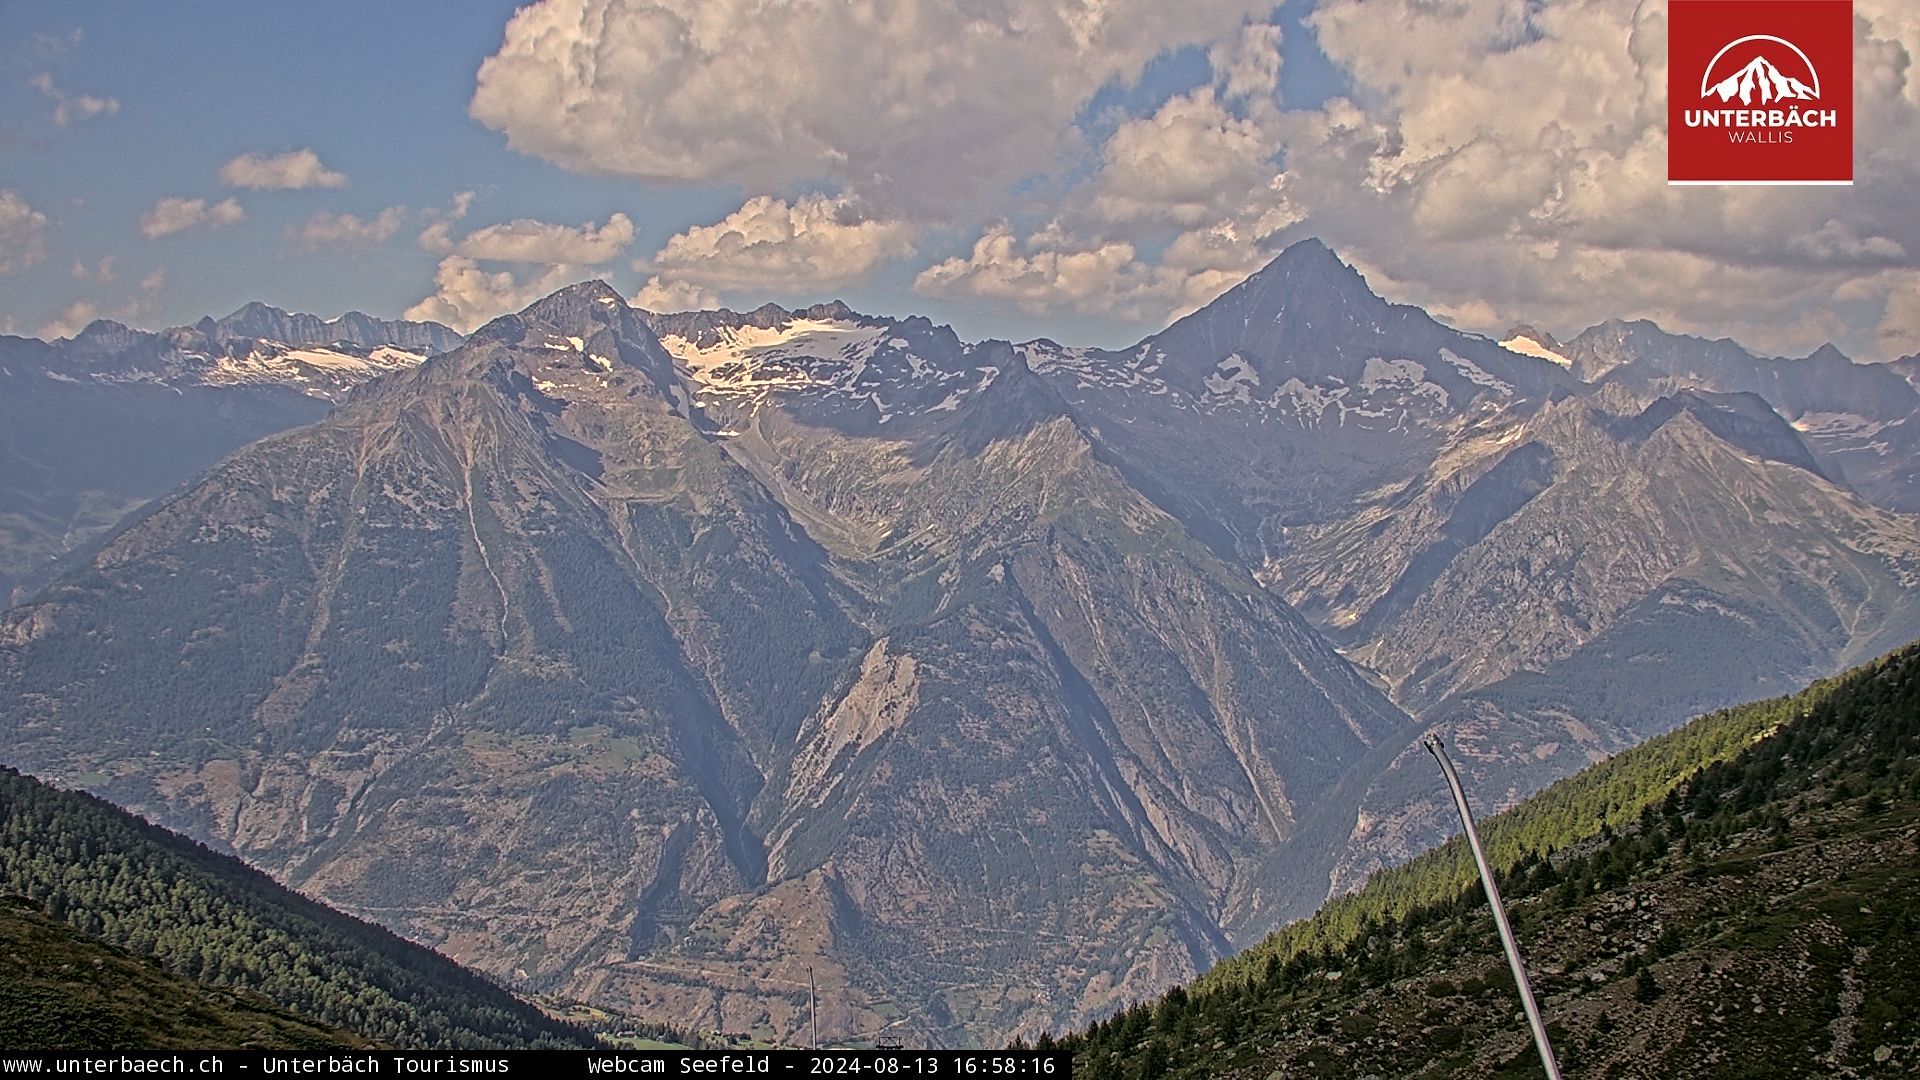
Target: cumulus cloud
{"type": "Point", "coordinates": [1506, 161]}
{"type": "Point", "coordinates": [1899, 329]}
{"type": "Point", "coordinates": [1196, 178]}
{"type": "Point", "coordinates": [102, 272]}
{"type": "Point", "coordinates": [1496, 161]}
{"type": "Point", "coordinates": [348, 230]}
{"type": "Point", "coordinates": [174, 214]}
{"type": "Point", "coordinates": [525, 240]}
{"type": "Point", "coordinates": [72, 319]}
{"type": "Point", "coordinates": [1040, 274]}
{"type": "Point", "coordinates": [293, 170]}
{"type": "Point", "coordinates": [70, 107]}
{"type": "Point", "coordinates": [663, 296]}
{"type": "Point", "coordinates": [23, 232]}
{"type": "Point", "coordinates": [466, 296]}
{"type": "Point", "coordinates": [437, 237]}
{"type": "Point", "coordinates": [814, 242]}
{"type": "Point", "coordinates": [919, 104]}
{"type": "Point", "coordinates": [1191, 163]}
{"type": "Point", "coordinates": [1050, 271]}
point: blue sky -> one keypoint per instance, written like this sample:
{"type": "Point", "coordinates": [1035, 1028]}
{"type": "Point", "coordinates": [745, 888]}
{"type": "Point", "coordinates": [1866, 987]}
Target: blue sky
{"type": "Point", "coordinates": [1087, 186]}
{"type": "Point", "coordinates": [378, 90]}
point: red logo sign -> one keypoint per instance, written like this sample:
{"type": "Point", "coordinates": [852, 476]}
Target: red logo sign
{"type": "Point", "coordinates": [1760, 92]}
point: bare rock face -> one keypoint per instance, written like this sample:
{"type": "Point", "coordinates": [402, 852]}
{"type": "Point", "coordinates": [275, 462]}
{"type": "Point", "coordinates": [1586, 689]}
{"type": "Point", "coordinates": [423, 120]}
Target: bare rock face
{"type": "Point", "coordinates": [527, 653]}
{"type": "Point", "coordinates": [658, 659]}
{"type": "Point", "coordinates": [101, 422]}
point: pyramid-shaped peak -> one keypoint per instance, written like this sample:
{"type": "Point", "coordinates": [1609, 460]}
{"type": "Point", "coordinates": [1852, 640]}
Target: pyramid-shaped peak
{"type": "Point", "coordinates": [1306, 277]}
{"type": "Point", "coordinates": [577, 307]}
{"type": "Point", "coordinates": [1828, 354]}
{"type": "Point", "coordinates": [254, 309]}
{"type": "Point", "coordinates": [1310, 266]}
{"type": "Point", "coordinates": [1311, 252]}
{"type": "Point", "coordinates": [590, 290]}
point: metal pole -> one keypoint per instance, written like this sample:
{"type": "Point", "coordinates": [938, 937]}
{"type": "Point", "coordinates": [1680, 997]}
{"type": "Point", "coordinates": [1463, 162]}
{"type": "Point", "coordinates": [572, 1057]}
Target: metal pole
{"type": "Point", "coordinates": [1539, 1026]}
{"type": "Point", "coordinates": [813, 1010]}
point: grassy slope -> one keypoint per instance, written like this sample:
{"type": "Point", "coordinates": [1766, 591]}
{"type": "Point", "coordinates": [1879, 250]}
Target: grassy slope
{"type": "Point", "coordinates": [1753, 916]}
{"type": "Point", "coordinates": [62, 990]}
{"type": "Point", "coordinates": [213, 920]}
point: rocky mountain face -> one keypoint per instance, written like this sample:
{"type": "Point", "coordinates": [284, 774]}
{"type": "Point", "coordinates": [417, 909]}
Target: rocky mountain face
{"type": "Point", "coordinates": [260, 322]}
{"type": "Point", "coordinates": [93, 426]}
{"type": "Point", "coordinates": [1606, 573]}
{"type": "Point", "coordinates": [1908, 368]}
{"type": "Point", "coordinates": [1288, 399]}
{"type": "Point", "coordinates": [1861, 420]}
{"type": "Point", "coordinates": [660, 658]}
{"type": "Point", "coordinates": [486, 655]}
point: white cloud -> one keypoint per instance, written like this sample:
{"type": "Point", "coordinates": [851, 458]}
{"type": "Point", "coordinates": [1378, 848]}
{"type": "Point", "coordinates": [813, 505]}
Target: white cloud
{"type": "Point", "coordinates": [815, 242]}
{"type": "Point", "coordinates": [71, 320]}
{"type": "Point", "coordinates": [23, 232]}
{"type": "Point", "coordinates": [525, 240]}
{"type": "Point", "coordinates": [1196, 178]}
{"type": "Point", "coordinates": [293, 170]}
{"type": "Point", "coordinates": [348, 230]}
{"type": "Point", "coordinates": [466, 296]}
{"type": "Point", "coordinates": [173, 214]}
{"type": "Point", "coordinates": [68, 107]}
{"type": "Point", "coordinates": [1039, 276]}
{"type": "Point", "coordinates": [919, 104]}
{"type": "Point", "coordinates": [662, 296]}
{"type": "Point", "coordinates": [1506, 162]}
{"type": "Point", "coordinates": [1050, 271]}
{"type": "Point", "coordinates": [1496, 161]}
{"type": "Point", "coordinates": [102, 272]}
{"type": "Point", "coordinates": [1189, 164]}
{"type": "Point", "coordinates": [438, 236]}
{"type": "Point", "coordinates": [1248, 67]}
{"type": "Point", "coordinates": [1899, 329]}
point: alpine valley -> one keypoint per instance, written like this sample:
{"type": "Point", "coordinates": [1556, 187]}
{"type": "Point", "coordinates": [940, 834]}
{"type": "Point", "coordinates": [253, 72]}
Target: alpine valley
{"type": "Point", "coordinates": [660, 661]}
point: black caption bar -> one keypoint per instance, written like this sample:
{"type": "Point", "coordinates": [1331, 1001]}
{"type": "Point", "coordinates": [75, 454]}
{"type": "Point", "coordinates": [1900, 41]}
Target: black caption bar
{"type": "Point", "coordinates": [250, 1064]}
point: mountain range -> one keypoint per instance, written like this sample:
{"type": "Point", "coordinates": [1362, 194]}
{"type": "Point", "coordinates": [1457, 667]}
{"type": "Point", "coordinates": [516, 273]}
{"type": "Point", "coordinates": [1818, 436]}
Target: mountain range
{"type": "Point", "coordinates": [656, 659]}
{"type": "Point", "coordinates": [93, 426]}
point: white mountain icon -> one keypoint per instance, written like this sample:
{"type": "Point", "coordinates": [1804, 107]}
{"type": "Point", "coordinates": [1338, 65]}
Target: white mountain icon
{"type": "Point", "coordinates": [1761, 80]}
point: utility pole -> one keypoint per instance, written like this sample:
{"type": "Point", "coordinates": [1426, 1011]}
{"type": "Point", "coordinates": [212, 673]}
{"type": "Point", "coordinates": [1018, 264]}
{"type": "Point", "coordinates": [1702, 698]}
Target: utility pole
{"type": "Point", "coordinates": [1539, 1026]}
{"type": "Point", "coordinates": [813, 1009]}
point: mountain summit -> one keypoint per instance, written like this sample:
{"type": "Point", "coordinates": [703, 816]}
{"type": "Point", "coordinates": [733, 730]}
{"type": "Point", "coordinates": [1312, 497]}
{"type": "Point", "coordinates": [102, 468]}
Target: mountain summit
{"type": "Point", "coordinates": [527, 653]}
{"type": "Point", "coordinates": [663, 658]}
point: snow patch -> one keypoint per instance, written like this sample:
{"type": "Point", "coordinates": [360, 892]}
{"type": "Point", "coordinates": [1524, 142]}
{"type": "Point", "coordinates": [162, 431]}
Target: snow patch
{"type": "Point", "coordinates": [1233, 378]}
{"type": "Point", "coordinates": [1526, 346]}
{"type": "Point", "coordinates": [1380, 374]}
{"type": "Point", "coordinates": [1832, 424]}
{"type": "Point", "coordinates": [1474, 373]}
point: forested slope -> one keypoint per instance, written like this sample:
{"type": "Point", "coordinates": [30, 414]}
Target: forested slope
{"type": "Point", "coordinates": [62, 990]}
{"type": "Point", "coordinates": [207, 917]}
{"type": "Point", "coordinates": [1736, 899]}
